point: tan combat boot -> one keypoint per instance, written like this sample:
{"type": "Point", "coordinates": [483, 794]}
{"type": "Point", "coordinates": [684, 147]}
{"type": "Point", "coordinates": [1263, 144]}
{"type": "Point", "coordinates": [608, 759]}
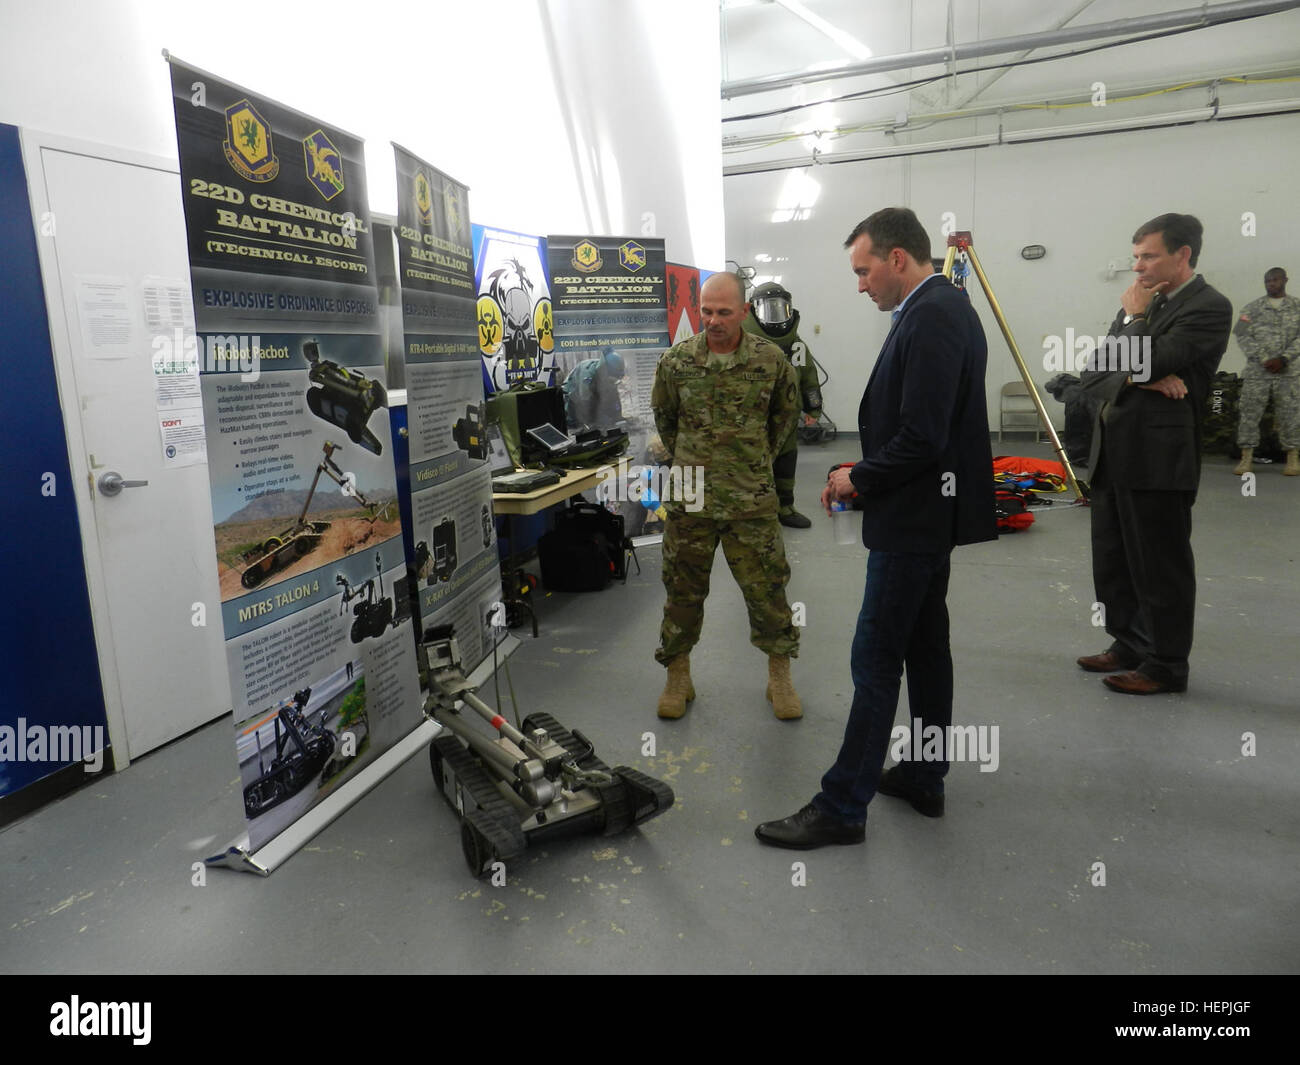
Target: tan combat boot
{"type": "Point", "coordinates": [1247, 456]}
{"type": "Point", "coordinates": [780, 689]}
{"type": "Point", "coordinates": [1292, 464]}
{"type": "Point", "coordinates": [678, 691]}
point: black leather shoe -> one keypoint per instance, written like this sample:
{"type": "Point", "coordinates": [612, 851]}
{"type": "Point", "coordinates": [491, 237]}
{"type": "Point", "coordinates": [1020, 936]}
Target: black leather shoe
{"type": "Point", "coordinates": [809, 828]}
{"type": "Point", "coordinates": [792, 519]}
{"type": "Point", "coordinates": [895, 785]}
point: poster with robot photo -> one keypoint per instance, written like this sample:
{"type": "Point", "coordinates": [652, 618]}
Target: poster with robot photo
{"type": "Point", "coordinates": [451, 487]}
{"type": "Point", "coordinates": [611, 326]}
{"type": "Point", "coordinates": [307, 535]}
{"type": "Point", "coordinates": [516, 328]}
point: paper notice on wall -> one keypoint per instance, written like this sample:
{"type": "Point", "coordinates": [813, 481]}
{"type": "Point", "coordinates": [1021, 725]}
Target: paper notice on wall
{"type": "Point", "coordinates": [167, 305]}
{"type": "Point", "coordinates": [169, 321]}
{"type": "Point", "coordinates": [176, 390]}
{"type": "Point", "coordinates": [108, 319]}
{"type": "Point", "coordinates": [184, 441]}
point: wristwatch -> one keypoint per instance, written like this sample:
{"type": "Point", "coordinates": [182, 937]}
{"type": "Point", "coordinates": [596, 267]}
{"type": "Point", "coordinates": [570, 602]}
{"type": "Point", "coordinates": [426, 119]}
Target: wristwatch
{"type": "Point", "coordinates": [1133, 318]}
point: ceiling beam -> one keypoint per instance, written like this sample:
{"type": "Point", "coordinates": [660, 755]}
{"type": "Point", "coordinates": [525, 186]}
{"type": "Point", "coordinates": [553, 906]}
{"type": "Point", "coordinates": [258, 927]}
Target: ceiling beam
{"type": "Point", "coordinates": [1186, 18]}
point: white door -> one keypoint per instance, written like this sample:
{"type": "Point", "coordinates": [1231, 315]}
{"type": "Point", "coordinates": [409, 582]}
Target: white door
{"type": "Point", "coordinates": [109, 226]}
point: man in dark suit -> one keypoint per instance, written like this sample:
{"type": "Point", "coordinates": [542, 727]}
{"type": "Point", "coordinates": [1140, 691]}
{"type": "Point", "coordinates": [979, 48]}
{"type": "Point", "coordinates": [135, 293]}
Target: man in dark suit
{"type": "Point", "coordinates": [926, 483]}
{"type": "Point", "coordinates": [1150, 382]}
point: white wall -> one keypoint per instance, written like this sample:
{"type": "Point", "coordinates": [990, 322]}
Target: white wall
{"type": "Point", "coordinates": [561, 115]}
{"type": "Point", "coordinates": [1080, 198]}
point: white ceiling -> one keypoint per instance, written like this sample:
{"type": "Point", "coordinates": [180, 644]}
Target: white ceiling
{"type": "Point", "coordinates": [1142, 81]}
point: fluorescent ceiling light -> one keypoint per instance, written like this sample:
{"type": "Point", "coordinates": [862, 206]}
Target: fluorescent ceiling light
{"type": "Point", "coordinates": [1172, 118]}
{"type": "Point", "coordinates": [845, 40]}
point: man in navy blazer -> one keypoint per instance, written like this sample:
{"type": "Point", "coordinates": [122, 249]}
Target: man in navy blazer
{"type": "Point", "coordinates": [926, 482]}
{"type": "Point", "coordinates": [1150, 382]}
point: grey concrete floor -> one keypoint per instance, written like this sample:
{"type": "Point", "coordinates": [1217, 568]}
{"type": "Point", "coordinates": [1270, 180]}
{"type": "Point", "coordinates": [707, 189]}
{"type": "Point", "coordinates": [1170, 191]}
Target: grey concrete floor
{"type": "Point", "coordinates": [1199, 841]}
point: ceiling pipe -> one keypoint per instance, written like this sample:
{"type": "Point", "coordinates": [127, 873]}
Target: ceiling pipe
{"type": "Point", "coordinates": [1187, 18]}
{"type": "Point", "coordinates": [921, 120]}
{"type": "Point", "coordinates": [987, 140]}
{"type": "Point", "coordinates": [979, 90]}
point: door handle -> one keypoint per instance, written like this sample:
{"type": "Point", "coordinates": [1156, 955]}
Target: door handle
{"type": "Point", "coordinates": [111, 483]}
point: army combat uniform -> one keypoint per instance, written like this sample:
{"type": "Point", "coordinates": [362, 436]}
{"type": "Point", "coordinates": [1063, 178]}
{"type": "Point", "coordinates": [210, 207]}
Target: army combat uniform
{"type": "Point", "coordinates": [727, 414]}
{"type": "Point", "coordinates": [1269, 329]}
{"type": "Point", "coordinates": [787, 453]}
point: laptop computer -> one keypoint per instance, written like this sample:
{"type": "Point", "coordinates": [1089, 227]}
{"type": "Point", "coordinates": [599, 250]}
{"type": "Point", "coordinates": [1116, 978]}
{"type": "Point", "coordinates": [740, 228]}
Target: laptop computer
{"type": "Point", "coordinates": [505, 478]}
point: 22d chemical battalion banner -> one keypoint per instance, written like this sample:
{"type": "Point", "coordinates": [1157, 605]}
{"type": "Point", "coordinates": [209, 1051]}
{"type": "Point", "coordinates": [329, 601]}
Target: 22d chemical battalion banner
{"type": "Point", "coordinates": [451, 487]}
{"type": "Point", "coordinates": [319, 639]}
{"type": "Point", "coordinates": [609, 295]}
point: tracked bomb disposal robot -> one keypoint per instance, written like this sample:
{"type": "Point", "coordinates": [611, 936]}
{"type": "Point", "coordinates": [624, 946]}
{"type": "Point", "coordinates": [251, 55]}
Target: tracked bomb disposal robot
{"type": "Point", "coordinates": [526, 784]}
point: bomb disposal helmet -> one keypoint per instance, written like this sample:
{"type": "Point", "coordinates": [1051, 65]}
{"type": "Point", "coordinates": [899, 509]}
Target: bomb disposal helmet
{"type": "Point", "coordinates": [774, 309]}
{"type": "Point", "coordinates": [612, 364]}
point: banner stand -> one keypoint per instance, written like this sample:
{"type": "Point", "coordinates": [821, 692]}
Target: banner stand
{"type": "Point", "coordinates": [265, 860]}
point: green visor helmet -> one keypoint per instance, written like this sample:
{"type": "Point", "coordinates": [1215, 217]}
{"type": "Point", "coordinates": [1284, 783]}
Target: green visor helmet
{"type": "Point", "coordinates": [774, 308]}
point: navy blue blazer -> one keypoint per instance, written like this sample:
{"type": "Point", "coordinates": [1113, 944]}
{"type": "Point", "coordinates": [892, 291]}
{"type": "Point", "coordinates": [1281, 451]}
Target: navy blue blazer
{"type": "Point", "coordinates": [926, 475]}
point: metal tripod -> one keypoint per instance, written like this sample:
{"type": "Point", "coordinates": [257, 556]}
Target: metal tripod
{"type": "Point", "coordinates": [960, 243]}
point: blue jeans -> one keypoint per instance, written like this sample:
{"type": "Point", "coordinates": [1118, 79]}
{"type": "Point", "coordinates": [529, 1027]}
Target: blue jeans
{"type": "Point", "coordinates": [904, 621]}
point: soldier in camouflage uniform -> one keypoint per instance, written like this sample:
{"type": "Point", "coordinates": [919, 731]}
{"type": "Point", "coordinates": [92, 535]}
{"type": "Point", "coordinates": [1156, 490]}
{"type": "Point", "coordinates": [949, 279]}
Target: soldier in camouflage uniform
{"type": "Point", "coordinates": [773, 317]}
{"type": "Point", "coordinates": [724, 401]}
{"type": "Point", "coordinates": [1269, 334]}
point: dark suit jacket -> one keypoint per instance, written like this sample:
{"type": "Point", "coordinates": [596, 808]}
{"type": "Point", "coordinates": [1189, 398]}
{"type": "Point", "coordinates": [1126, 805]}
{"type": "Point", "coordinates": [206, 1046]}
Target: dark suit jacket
{"type": "Point", "coordinates": [1150, 441]}
{"type": "Point", "coordinates": [924, 417]}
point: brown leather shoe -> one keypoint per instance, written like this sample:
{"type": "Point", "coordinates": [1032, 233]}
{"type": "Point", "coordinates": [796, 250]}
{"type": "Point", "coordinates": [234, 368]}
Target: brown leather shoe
{"type": "Point", "coordinates": [1140, 684]}
{"type": "Point", "coordinates": [1106, 662]}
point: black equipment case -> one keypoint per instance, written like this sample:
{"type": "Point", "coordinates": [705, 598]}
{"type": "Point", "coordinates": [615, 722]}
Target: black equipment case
{"type": "Point", "coordinates": [585, 551]}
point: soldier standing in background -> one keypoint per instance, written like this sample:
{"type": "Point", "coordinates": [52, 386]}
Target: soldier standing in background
{"type": "Point", "coordinates": [773, 317]}
{"type": "Point", "coordinates": [724, 401]}
{"type": "Point", "coordinates": [1269, 334]}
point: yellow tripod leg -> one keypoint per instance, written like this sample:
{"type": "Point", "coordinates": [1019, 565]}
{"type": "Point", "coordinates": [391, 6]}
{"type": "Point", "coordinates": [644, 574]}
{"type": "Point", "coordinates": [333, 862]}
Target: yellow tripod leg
{"type": "Point", "coordinates": [1079, 490]}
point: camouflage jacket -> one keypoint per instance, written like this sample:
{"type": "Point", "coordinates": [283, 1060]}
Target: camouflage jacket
{"type": "Point", "coordinates": [728, 421]}
{"type": "Point", "coordinates": [1265, 332]}
{"type": "Point", "coordinates": [799, 354]}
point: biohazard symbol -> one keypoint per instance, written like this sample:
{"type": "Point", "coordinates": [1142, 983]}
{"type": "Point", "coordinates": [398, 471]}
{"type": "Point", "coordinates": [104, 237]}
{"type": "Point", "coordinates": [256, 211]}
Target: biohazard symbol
{"type": "Point", "coordinates": [490, 328]}
{"type": "Point", "coordinates": [544, 325]}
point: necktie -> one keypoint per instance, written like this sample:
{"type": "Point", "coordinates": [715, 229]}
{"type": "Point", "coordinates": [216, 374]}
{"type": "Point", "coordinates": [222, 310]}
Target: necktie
{"type": "Point", "coordinates": [1157, 305]}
